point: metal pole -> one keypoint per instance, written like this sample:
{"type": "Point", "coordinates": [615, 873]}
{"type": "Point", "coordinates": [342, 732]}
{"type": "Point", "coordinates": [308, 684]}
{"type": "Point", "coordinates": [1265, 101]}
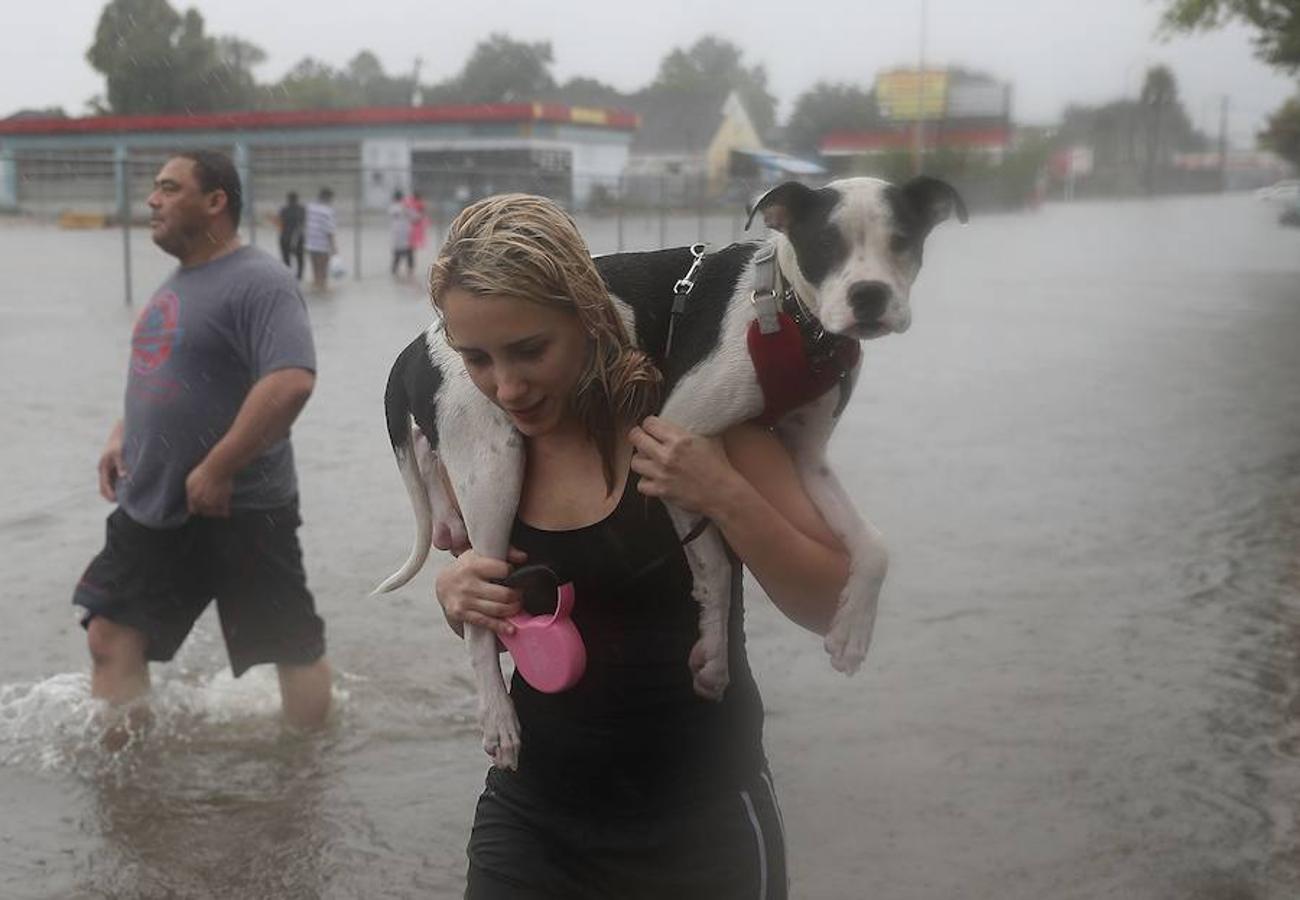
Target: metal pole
{"type": "Point", "coordinates": [356, 223]}
{"type": "Point", "coordinates": [699, 209]}
{"type": "Point", "coordinates": [919, 132]}
{"type": "Point", "coordinates": [619, 212]}
{"type": "Point", "coordinates": [124, 214]}
{"type": "Point", "coordinates": [1223, 144]}
{"type": "Point", "coordinates": [663, 214]}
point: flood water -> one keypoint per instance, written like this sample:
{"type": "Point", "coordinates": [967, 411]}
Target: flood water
{"type": "Point", "coordinates": [1085, 679]}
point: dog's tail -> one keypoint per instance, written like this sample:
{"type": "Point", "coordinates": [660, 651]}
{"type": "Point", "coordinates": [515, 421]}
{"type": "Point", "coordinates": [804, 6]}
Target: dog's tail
{"type": "Point", "coordinates": [407, 450]}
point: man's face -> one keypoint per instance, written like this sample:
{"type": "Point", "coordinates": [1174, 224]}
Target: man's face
{"type": "Point", "coordinates": [180, 213]}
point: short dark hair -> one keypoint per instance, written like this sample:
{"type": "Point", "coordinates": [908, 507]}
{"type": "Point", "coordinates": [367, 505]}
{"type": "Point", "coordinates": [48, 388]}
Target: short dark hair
{"type": "Point", "coordinates": [216, 172]}
{"type": "Point", "coordinates": [293, 197]}
{"type": "Point", "coordinates": [326, 194]}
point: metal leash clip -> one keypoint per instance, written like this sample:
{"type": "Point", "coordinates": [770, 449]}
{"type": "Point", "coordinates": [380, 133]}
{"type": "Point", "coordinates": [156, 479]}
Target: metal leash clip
{"type": "Point", "coordinates": [681, 290]}
{"type": "Point", "coordinates": [686, 283]}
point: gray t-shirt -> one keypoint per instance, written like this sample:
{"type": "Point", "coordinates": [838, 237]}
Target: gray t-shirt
{"type": "Point", "coordinates": [207, 335]}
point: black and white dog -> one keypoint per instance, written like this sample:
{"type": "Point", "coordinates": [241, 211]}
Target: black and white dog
{"type": "Point", "coordinates": [840, 265]}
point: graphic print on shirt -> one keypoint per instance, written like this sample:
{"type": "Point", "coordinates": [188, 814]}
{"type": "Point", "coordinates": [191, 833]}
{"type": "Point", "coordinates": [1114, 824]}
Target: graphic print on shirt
{"type": "Point", "coordinates": [157, 333]}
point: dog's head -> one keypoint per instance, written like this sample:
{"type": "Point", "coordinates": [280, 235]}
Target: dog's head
{"type": "Point", "coordinates": [852, 249]}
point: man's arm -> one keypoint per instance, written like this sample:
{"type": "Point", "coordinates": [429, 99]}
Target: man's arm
{"type": "Point", "coordinates": [264, 418]}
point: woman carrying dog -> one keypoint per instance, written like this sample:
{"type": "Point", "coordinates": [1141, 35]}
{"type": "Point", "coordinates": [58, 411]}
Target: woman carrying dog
{"type": "Point", "coordinates": [629, 785]}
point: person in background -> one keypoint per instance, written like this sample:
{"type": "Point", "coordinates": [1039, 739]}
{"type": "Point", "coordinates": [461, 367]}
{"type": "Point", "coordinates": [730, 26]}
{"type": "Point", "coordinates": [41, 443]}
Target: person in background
{"type": "Point", "coordinates": [400, 217]}
{"type": "Point", "coordinates": [319, 237]}
{"type": "Point", "coordinates": [200, 465]}
{"type": "Point", "coordinates": [419, 221]}
{"type": "Point", "coordinates": [291, 219]}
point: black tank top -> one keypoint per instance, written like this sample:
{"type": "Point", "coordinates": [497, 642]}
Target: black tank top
{"type": "Point", "coordinates": [632, 734]}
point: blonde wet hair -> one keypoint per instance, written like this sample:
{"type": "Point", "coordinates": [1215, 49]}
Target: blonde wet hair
{"type": "Point", "coordinates": [520, 245]}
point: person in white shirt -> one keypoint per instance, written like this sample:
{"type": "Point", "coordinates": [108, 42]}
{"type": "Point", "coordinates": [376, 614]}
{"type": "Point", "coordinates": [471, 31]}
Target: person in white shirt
{"type": "Point", "coordinates": [401, 218]}
{"type": "Point", "coordinates": [319, 237]}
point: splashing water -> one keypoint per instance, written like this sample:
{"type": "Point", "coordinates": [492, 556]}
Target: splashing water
{"type": "Point", "coordinates": [55, 725]}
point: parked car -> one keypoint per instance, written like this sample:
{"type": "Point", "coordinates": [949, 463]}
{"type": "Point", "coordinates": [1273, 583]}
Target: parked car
{"type": "Point", "coordinates": [1285, 191]}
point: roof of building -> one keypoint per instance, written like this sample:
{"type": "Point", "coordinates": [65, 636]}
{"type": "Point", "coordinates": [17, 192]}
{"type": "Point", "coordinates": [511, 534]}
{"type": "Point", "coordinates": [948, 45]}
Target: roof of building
{"type": "Point", "coordinates": [616, 119]}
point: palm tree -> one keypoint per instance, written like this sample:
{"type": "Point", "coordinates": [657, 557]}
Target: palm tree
{"type": "Point", "coordinates": [1158, 98]}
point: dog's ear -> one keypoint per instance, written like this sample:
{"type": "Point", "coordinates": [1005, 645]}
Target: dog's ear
{"type": "Point", "coordinates": [934, 200]}
{"type": "Point", "coordinates": [782, 205]}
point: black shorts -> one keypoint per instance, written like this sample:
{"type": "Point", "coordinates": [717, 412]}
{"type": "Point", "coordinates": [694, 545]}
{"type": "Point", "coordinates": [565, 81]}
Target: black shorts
{"type": "Point", "coordinates": [728, 846]}
{"type": "Point", "coordinates": [158, 581]}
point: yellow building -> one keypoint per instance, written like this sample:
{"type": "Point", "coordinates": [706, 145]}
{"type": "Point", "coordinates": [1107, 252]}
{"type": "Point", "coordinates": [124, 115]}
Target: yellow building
{"type": "Point", "coordinates": [685, 144]}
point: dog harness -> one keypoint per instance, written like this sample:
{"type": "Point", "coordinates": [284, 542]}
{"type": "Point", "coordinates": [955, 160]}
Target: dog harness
{"type": "Point", "coordinates": [795, 358]}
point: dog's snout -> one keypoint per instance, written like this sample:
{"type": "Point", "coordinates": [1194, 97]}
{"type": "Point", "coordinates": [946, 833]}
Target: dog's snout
{"type": "Point", "coordinates": [868, 300]}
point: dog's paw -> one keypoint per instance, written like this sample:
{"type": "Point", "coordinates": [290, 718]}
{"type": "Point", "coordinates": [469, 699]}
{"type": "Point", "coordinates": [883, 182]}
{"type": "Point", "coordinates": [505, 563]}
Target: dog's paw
{"type": "Point", "coordinates": [501, 736]}
{"type": "Point", "coordinates": [711, 675]}
{"type": "Point", "coordinates": [849, 637]}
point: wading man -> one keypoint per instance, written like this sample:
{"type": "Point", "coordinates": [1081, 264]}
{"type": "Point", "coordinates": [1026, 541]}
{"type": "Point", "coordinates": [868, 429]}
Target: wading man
{"type": "Point", "coordinates": [200, 465]}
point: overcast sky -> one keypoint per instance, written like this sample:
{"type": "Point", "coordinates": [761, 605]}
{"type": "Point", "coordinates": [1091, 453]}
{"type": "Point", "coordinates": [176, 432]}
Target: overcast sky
{"type": "Point", "coordinates": [1054, 51]}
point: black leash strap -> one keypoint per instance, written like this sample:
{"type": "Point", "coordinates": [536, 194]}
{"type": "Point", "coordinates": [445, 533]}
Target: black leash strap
{"type": "Point", "coordinates": [696, 531]}
{"type": "Point", "coordinates": [682, 290]}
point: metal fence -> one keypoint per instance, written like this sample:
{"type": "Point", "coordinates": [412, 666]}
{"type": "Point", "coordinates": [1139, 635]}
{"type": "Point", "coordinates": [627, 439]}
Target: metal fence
{"type": "Point", "coordinates": [637, 212]}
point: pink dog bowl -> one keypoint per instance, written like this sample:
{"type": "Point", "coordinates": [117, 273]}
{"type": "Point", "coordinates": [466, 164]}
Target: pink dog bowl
{"type": "Point", "coordinates": [547, 650]}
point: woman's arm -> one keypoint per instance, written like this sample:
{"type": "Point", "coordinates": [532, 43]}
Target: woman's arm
{"type": "Point", "coordinates": [466, 587]}
{"type": "Point", "coordinates": [746, 483]}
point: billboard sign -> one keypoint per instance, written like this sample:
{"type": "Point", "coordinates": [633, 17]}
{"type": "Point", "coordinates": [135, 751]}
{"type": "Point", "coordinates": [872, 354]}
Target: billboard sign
{"type": "Point", "coordinates": [979, 100]}
{"type": "Point", "coordinates": [907, 95]}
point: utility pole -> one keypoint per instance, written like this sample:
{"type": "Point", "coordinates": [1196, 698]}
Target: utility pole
{"type": "Point", "coordinates": [417, 96]}
{"type": "Point", "coordinates": [1223, 143]}
{"type": "Point", "coordinates": [918, 126]}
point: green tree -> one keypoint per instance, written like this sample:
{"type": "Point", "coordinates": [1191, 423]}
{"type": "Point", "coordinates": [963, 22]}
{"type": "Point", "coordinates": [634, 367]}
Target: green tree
{"type": "Point", "coordinates": [373, 85]}
{"type": "Point", "coordinates": [711, 62]}
{"type": "Point", "coordinates": [1157, 102]}
{"type": "Point", "coordinates": [1277, 23]}
{"type": "Point", "coordinates": [502, 70]}
{"type": "Point", "coordinates": [583, 91]}
{"type": "Point", "coordinates": [235, 60]}
{"type": "Point", "coordinates": [1133, 141]}
{"type": "Point", "coordinates": [1282, 135]}
{"type": "Point", "coordinates": [155, 59]}
{"type": "Point", "coordinates": [829, 107]}
{"type": "Point", "coordinates": [311, 84]}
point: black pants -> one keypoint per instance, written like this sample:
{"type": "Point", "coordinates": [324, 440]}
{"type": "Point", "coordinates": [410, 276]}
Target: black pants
{"type": "Point", "coordinates": [409, 255]}
{"type": "Point", "coordinates": [727, 846]}
{"type": "Point", "coordinates": [158, 581]}
{"type": "Point", "coordinates": [291, 249]}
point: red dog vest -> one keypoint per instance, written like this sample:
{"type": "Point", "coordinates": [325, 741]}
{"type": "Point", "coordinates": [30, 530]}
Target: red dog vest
{"type": "Point", "coordinates": [789, 379]}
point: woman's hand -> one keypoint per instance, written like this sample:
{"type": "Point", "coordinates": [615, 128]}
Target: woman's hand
{"type": "Point", "coordinates": [688, 470]}
{"type": "Point", "coordinates": [747, 484]}
{"type": "Point", "coordinates": [468, 594]}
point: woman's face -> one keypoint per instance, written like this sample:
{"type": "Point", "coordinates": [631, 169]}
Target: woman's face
{"type": "Point", "coordinates": [525, 357]}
